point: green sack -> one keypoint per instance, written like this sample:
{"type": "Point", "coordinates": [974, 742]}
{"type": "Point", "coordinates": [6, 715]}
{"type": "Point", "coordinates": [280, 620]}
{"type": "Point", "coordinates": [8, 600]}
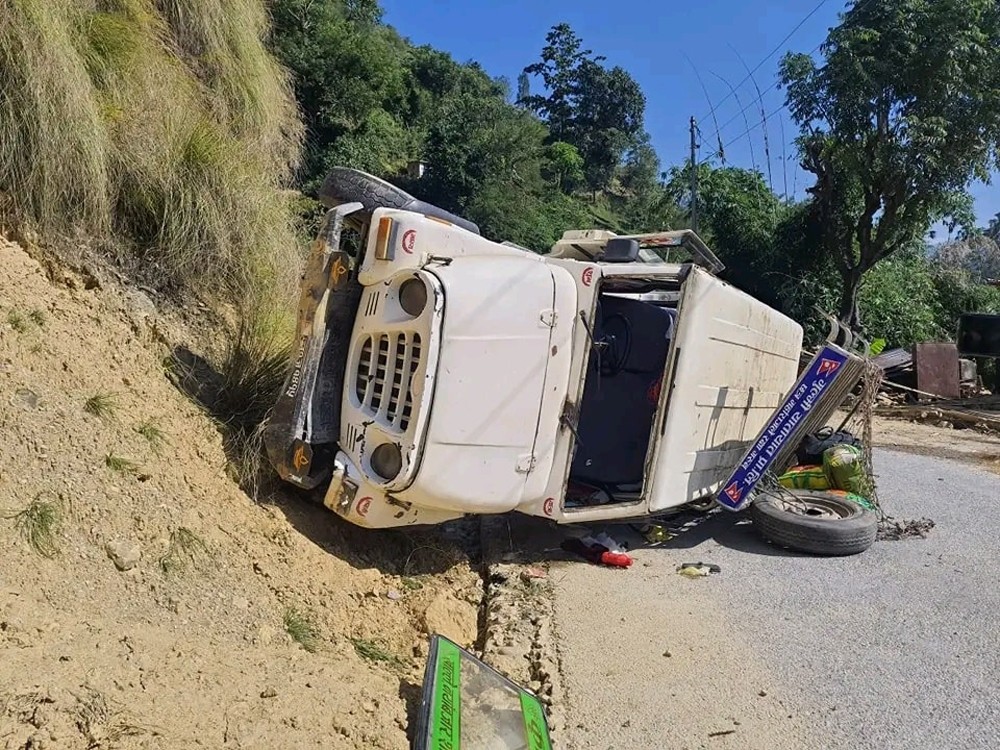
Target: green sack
{"type": "Point", "coordinates": [844, 467]}
{"type": "Point", "coordinates": [856, 499]}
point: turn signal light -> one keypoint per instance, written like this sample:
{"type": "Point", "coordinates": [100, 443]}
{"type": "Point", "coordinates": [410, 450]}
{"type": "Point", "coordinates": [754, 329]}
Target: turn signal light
{"type": "Point", "coordinates": [384, 233]}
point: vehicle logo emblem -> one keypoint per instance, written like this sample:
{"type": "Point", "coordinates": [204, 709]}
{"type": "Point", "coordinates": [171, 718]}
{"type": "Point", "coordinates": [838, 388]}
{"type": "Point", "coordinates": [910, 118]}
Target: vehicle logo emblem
{"type": "Point", "coordinates": [363, 505]}
{"type": "Point", "coordinates": [588, 276]}
{"type": "Point", "coordinates": [409, 240]}
{"type": "Point", "coordinates": [547, 506]}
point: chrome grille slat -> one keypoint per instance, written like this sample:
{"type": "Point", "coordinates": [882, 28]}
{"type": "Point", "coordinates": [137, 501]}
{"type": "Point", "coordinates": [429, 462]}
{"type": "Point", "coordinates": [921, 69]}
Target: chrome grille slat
{"type": "Point", "coordinates": [386, 367]}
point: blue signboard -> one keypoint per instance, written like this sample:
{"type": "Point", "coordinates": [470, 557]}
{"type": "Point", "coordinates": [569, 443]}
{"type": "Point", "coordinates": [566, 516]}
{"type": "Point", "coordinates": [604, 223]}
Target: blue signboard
{"type": "Point", "coordinates": [816, 380]}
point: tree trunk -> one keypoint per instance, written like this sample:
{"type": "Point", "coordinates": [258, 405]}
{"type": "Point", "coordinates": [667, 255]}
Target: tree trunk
{"type": "Point", "coordinates": [850, 315]}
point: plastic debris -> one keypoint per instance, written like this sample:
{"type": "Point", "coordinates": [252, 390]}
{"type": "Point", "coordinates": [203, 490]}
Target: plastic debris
{"type": "Point", "coordinates": [655, 533]}
{"type": "Point", "coordinates": [698, 569]}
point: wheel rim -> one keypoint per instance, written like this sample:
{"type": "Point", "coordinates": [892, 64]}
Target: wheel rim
{"type": "Point", "coordinates": [819, 508]}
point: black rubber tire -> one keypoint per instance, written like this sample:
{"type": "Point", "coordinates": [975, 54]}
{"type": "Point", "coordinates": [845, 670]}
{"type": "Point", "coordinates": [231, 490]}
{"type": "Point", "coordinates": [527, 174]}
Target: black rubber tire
{"type": "Point", "coordinates": [853, 533]}
{"type": "Point", "coordinates": [343, 185]}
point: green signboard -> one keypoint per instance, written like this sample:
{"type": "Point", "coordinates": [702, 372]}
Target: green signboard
{"type": "Point", "coordinates": [468, 704]}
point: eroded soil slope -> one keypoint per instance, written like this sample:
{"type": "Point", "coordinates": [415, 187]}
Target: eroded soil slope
{"type": "Point", "coordinates": [234, 623]}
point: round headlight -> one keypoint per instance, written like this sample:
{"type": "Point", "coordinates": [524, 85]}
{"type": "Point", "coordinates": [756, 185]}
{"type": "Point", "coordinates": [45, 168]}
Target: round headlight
{"type": "Point", "coordinates": [387, 461]}
{"type": "Point", "coordinates": [413, 296]}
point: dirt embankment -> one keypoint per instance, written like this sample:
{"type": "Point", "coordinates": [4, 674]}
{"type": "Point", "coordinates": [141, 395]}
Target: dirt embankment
{"type": "Point", "coordinates": [145, 600]}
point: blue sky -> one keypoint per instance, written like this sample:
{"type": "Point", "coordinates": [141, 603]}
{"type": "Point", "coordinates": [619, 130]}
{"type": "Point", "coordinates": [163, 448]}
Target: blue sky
{"type": "Point", "coordinates": [653, 41]}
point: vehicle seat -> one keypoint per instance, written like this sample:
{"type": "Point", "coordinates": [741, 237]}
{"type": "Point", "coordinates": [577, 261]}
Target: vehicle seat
{"type": "Point", "coordinates": [620, 397]}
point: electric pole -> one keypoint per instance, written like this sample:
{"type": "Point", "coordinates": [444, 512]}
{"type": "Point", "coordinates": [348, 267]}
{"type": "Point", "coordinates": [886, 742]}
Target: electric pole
{"type": "Point", "coordinates": [694, 174]}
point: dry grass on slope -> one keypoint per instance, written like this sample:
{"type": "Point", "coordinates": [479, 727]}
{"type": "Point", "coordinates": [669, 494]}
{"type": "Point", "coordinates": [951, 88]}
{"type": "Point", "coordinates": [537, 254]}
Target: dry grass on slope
{"type": "Point", "coordinates": [163, 133]}
{"type": "Point", "coordinates": [164, 124]}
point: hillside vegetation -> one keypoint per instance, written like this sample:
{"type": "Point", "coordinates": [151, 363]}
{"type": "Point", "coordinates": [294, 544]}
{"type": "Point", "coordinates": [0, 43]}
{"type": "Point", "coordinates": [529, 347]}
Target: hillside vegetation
{"type": "Point", "coordinates": [162, 128]}
{"type": "Point", "coordinates": [167, 131]}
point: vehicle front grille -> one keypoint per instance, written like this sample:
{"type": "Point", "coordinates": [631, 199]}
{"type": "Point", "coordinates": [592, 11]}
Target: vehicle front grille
{"type": "Point", "coordinates": [384, 377]}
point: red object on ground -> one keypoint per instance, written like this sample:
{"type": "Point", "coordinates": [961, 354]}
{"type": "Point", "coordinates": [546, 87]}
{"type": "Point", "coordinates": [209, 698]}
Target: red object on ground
{"type": "Point", "coordinates": [616, 559]}
{"type": "Point", "coordinates": [597, 554]}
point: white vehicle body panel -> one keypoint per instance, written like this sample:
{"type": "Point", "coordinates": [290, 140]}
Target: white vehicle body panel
{"type": "Point", "coordinates": [491, 371]}
{"type": "Point", "coordinates": [732, 362]}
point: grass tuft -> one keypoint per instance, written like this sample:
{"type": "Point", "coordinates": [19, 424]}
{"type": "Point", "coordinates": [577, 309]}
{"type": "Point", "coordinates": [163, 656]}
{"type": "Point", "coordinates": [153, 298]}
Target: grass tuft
{"type": "Point", "coordinates": [251, 376]}
{"type": "Point", "coordinates": [38, 317]}
{"type": "Point", "coordinates": [17, 321]}
{"type": "Point", "coordinates": [120, 464]}
{"type": "Point", "coordinates": [101, 405]}
{"type": "Point", "coordinates": [302, 630]}
{"type": "Point", "coordinates": [38, 525]}
{"type": "Point", "coordinates": [185, 546]}
{"type": "Point", "coordinates": [165, 127]}
{"type": "Point", "coordinates": [154, 435]}
{"type": "Point", "coordinates": [374, 652]}
{"type": "Point", "coordinates": [411, 584]}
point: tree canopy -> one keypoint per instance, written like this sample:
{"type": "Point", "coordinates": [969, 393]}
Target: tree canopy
{"type": "Point", "coordinates": [896, 115]}
{"type": "Point", "coordinates": [902, 112]}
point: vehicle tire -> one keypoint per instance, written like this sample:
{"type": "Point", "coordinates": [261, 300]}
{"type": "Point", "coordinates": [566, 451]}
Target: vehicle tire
{"type": "Point", "coordinates": [343, 185]}
{"type": "Point", "coordinates": [817, 522]}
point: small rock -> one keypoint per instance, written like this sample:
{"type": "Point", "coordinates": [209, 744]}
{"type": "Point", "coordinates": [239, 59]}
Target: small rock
{"type": "Point", "coordinates": [25, 398]}
{"type": "Point", "coordinates": [667, 654]}
{"type": "Point", "coordinates": [393, 595]}
{"type": "Point", "coordinates": [762, 693]}
{"type": "Point", "coordinates": [125, 555]}
{"type": "Point", "coordinates": [269, 692]}
{"type": "Point", "coordinates": [532, 574]}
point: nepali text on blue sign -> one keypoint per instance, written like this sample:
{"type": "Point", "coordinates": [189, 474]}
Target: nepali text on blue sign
{"type": "Point", "coordinates": [818, 377]}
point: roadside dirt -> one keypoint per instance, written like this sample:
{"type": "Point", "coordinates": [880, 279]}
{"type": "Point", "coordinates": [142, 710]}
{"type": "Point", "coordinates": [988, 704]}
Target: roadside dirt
{"type": "Point", "coordinates": [970, 446]}
{"type": "Point", "coordinates": [170, 610]}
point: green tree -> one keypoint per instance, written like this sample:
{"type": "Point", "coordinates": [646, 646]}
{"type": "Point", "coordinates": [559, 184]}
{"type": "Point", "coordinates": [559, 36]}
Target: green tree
{"type": "Point", "coordinates": [559, 68]}
{"type": "Point", "coordinates": [600, 111]}
{"type": "Point", "coordinates": [564, 165]}
{"type": "Point", "coordinates": [993, 230]}
{"type": "Point", "coordinates": [739, 219]}
{"type": "Point", "coordinates": [608, 119]}
{"type": "Point", "coordinates": [345, 66]}
{"type": "Point", "coordinates": [902, 113]}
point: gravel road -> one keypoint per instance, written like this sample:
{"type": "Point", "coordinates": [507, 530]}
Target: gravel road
{"type": "Point", "coordinates": [895, 648]}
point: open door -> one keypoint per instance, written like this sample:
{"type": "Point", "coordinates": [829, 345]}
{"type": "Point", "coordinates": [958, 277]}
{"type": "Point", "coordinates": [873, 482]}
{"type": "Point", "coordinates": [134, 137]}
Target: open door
{"type": "Point", "coordinates": [733, 360]}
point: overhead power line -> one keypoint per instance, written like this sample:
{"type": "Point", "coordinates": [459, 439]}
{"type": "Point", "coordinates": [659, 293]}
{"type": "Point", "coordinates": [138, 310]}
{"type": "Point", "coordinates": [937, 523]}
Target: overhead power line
{"type": "Point", "coordinates": [746, 132]}
{"type": "Point", "coordinates": [770, 54]}
{"type": "Point", "coordinates": [760, 94]}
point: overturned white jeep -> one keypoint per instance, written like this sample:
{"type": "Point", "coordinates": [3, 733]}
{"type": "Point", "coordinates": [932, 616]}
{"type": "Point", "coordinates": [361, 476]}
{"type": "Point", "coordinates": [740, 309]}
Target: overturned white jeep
{"type": "Point", "coordinates": [439, 373]}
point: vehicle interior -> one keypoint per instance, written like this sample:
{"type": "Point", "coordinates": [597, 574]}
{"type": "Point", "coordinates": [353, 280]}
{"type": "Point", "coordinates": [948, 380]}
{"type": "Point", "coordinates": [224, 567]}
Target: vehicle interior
{"type": "Point", "coordinates": [630, 340]}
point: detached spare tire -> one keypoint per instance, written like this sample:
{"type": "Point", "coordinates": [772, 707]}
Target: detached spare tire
{"type": "Point", "coordinates": [343, 185]}
{"type": "Point", "coordinates": [817, 522]}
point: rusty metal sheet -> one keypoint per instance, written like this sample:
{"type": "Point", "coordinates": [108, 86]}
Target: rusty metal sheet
{"type": "Point", "coordinates": [937, 369]}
